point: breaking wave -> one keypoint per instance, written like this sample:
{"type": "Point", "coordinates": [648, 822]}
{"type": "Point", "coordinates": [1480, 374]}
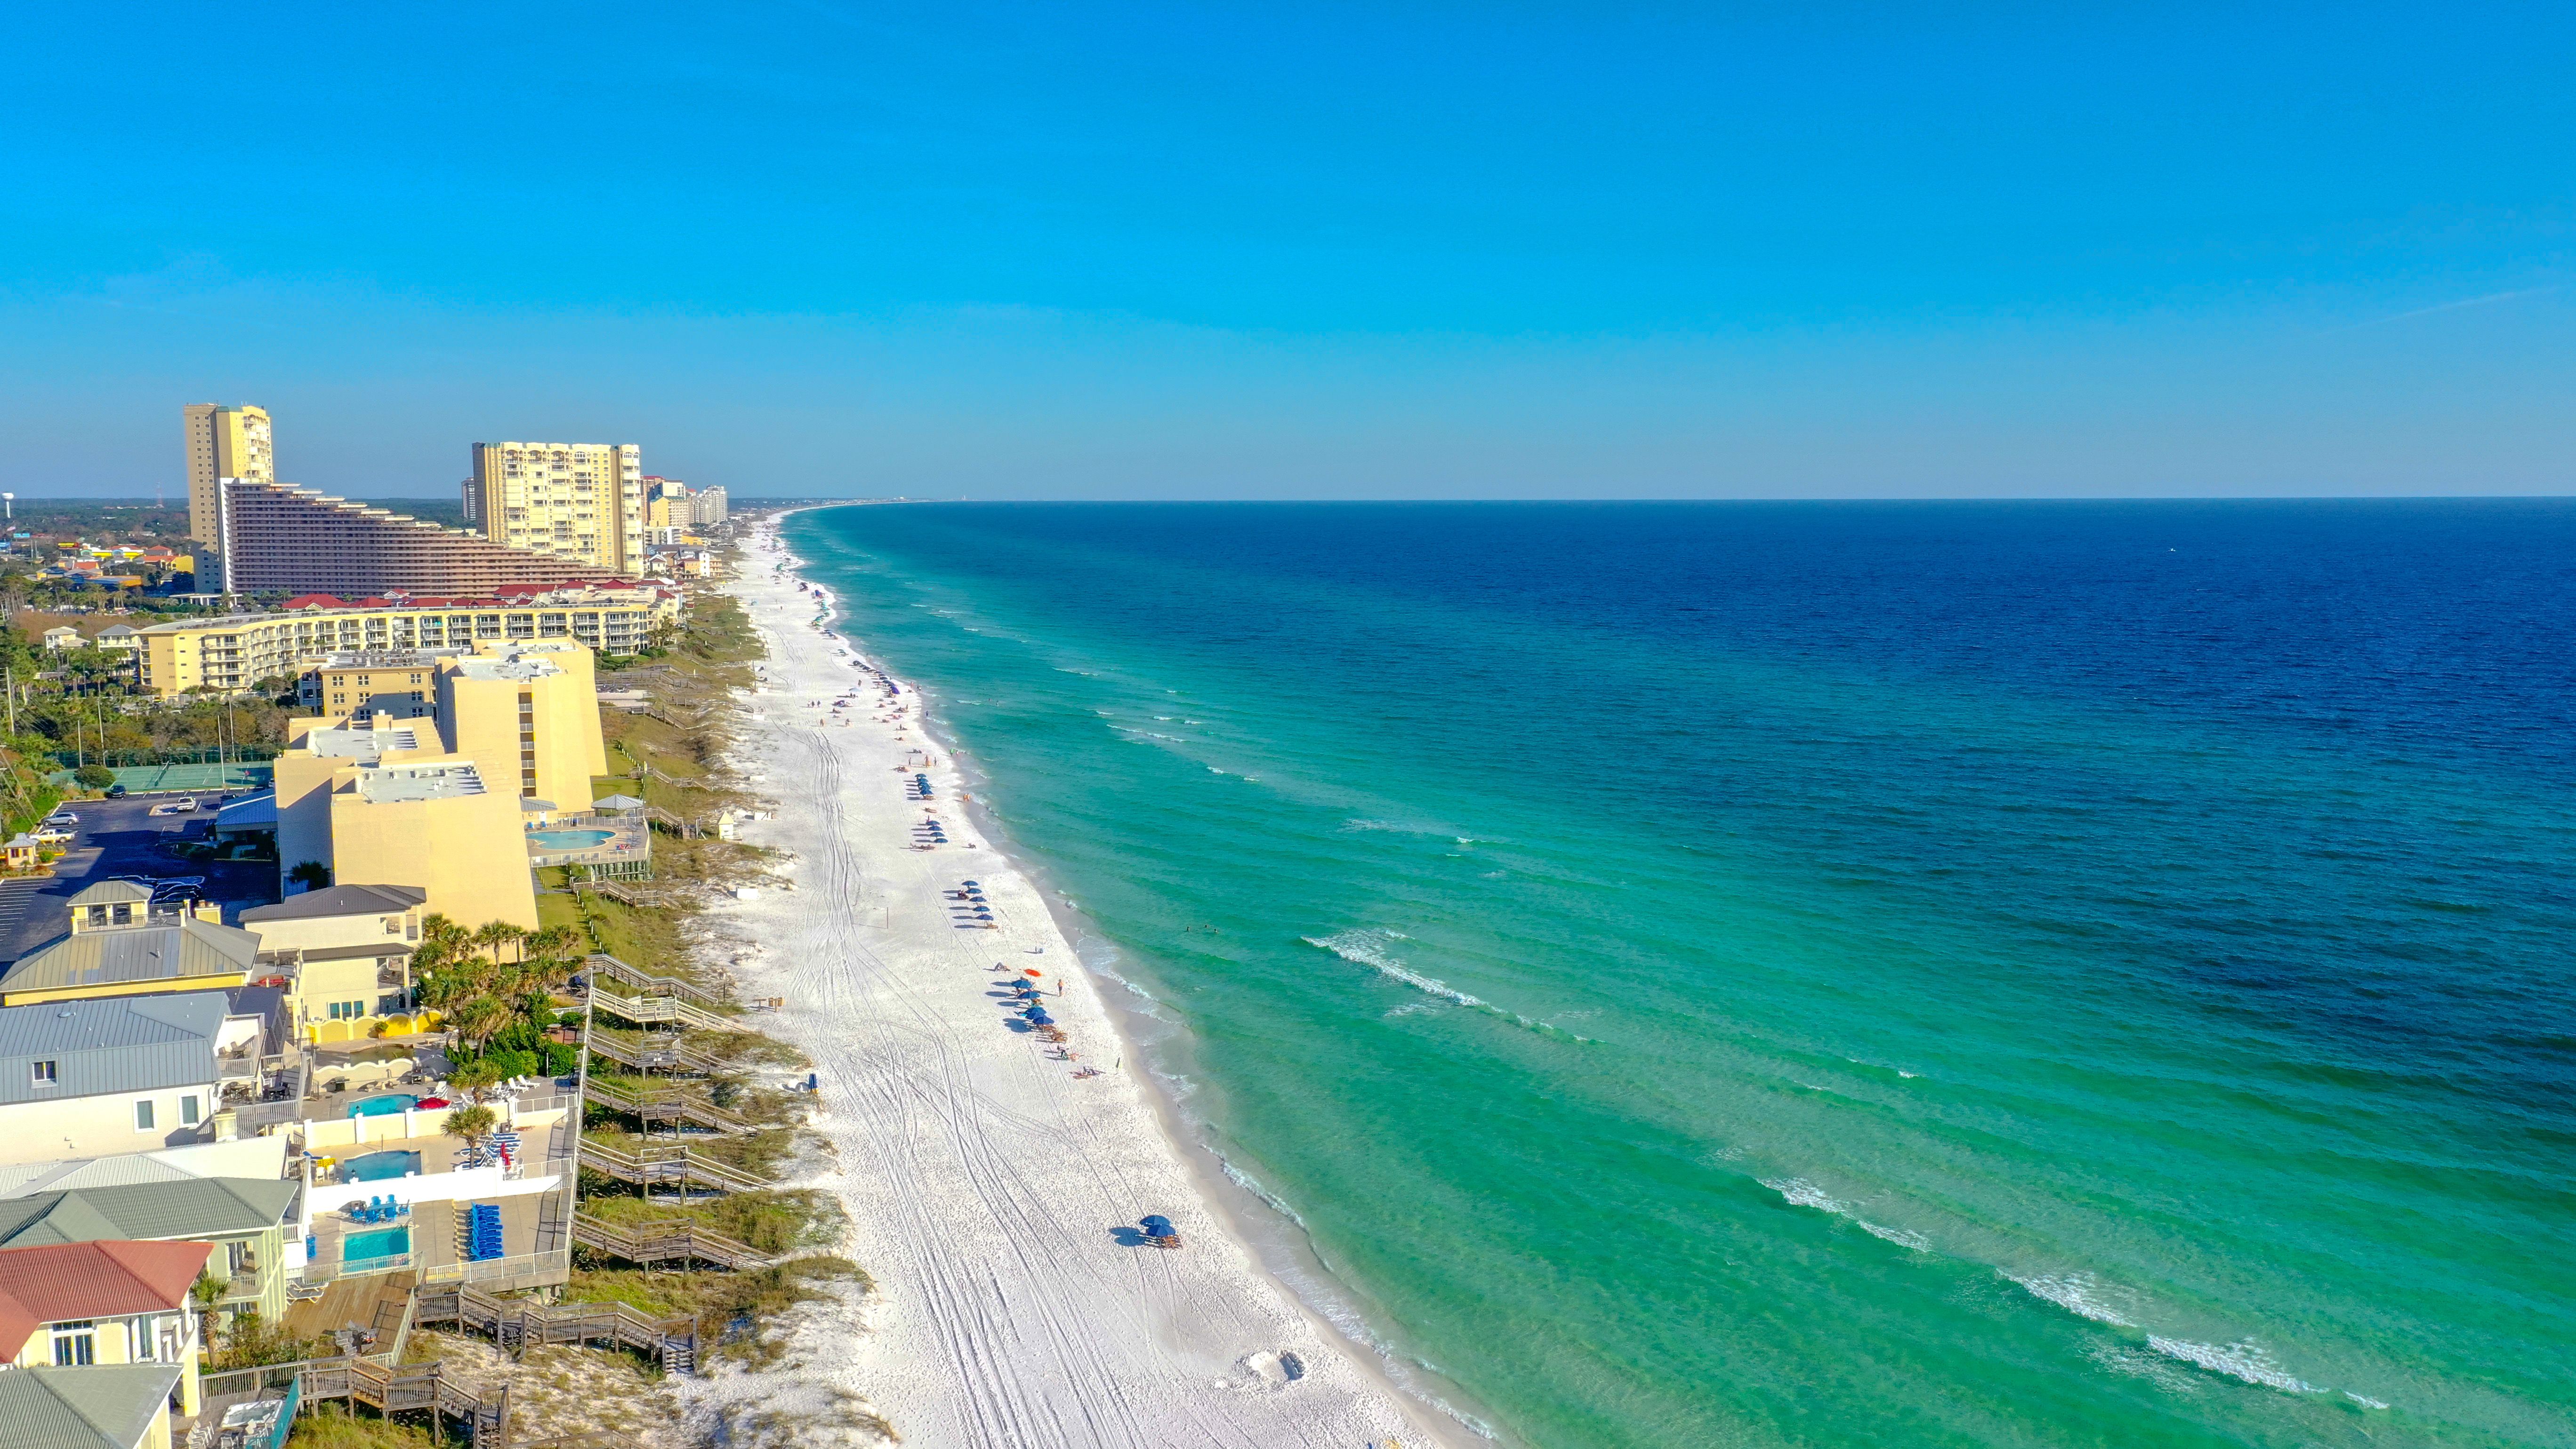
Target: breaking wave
{"type": "Point", "coordinates": [2243, 1359]}
{"type": "Point", "coordinates": [1800, 1192]}
{"type": "Point", "coordinates": [1367, 947]}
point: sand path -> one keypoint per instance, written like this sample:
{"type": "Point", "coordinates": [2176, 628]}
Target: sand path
{"type": "Point", "coordinates": [991, 1187]}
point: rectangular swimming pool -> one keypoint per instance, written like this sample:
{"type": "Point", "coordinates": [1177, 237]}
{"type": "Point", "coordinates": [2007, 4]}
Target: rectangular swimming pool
{"type": "Point", "coordinates": [360, 1251]}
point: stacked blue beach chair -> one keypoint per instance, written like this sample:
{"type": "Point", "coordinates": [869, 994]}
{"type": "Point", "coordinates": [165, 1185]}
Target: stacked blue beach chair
{"type": "Point", "coordinates": [483, 1232]}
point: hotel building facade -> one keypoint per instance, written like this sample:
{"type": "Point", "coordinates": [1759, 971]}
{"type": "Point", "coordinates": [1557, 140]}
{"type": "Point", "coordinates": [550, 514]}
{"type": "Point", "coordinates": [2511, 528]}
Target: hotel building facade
{"type": "Point", "coordinates": [222, 443]}
{"type": "Point", "coordinates": [578, 501]}
{"type": "Point", "coordinates": [239, 650]}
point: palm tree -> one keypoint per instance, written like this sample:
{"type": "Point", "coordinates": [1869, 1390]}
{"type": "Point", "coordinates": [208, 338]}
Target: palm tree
{"type": "Point", "coordinates": [477, 1020]}
{"type": "Point", "coordinates": [555, 943]}
{"type": "Point", "coordinates": [491, 936]}
{"type": "Point", "coordinates": [473, 1124]}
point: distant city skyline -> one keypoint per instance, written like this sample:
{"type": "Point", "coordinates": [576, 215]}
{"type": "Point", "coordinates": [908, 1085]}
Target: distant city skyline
{"type": "Point", "coordinates": [1318, 251]}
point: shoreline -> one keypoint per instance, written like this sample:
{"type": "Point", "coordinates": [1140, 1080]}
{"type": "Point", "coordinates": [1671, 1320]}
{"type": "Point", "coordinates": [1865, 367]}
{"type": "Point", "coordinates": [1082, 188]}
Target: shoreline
{"type": "Point", "coordinates": [1207, 1345]}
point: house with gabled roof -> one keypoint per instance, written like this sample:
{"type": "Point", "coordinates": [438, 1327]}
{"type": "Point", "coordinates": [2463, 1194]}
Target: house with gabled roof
{"type": "Point", "coordinates": [244, 1219]}
{"type": "Point", "coordinates": [120, 1407]}
{"type": "Point", "coordinates": [96, 1078]}
{"type": "Point", "coordinates": [76, 1305]}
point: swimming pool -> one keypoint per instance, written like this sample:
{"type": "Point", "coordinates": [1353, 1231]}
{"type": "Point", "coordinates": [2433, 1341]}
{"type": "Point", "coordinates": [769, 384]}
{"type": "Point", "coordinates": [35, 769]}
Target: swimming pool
{"type": "Point", "coordinates": [384, 1106]}
{"type": "Point", "coordinates": [569, 839]}
{"type": "Point", "coordinates": [378, 1166]}
{"type": "Point", "coordinates": [360, 1249]}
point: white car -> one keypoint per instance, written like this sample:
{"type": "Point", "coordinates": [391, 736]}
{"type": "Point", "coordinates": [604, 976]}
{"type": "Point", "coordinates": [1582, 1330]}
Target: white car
{"type": "Point", "coordinates": [184, 804]}
{"type": "Point", "coordinates": [62, 818]}
{"type": "Point", "coordinates": [53, 835]}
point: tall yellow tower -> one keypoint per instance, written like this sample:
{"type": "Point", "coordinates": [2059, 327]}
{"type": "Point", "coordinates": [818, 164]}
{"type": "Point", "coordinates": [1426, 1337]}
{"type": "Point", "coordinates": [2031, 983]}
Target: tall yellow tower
{"type": "Point", "coordinates": [224, 443]}
{"type": "Point", "coordinates": [581, 501]}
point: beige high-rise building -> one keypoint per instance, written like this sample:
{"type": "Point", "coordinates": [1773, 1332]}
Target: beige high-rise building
{"type": "Point", "coordinates": [224, 443]}
{"type": "Point", "coordinates": [579, 501]}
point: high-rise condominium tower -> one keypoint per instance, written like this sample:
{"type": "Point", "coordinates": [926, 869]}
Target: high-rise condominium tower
{"type": "Point", "coordinates": [580, 501]}
{"type": "Point", "coordinates": [224, 443]}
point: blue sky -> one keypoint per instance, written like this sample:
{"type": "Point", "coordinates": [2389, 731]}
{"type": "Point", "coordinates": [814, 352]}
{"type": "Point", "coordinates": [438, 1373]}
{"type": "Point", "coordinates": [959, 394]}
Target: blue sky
{"type": "Point", "coordinates": [1294, 250]}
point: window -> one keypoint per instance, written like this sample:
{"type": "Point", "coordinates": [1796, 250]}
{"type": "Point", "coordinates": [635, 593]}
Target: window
{"type": "Point", "coordinates": [188, 1111]}
{"type": "Point", "coordinates": [45, 1073]}
{"type": "Point", "coordinates": [393, 925]}
{"type": "Point", "coordinates": [142, 1116]}
{"type": "Point", "coordinates": [75, 1344]}
{"type": "Point", "coordinates": [347, 1010]}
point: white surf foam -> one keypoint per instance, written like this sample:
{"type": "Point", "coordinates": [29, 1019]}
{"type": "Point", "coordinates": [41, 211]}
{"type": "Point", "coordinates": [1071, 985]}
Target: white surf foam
{"type": "Point", "coordinates": [1800, 1192]}
{"type": "Point", "coordinates": [2078, 1293]}
{"type": "Point", "coordinates": [1367, 947]}
{"type": "Point", "coordinates": [2244, 1359]}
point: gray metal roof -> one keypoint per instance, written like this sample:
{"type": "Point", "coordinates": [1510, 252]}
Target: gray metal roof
{"type": "Point", "coordinates": [110, 1406]}
{"type": "Point", "coordinates": [172, 950]}
{"type": "Point", "coordinates": [340, 900]}
{"type": "Point", "coordinates": [110, 892]}
{"type": "Point", "coordinates": [121, 1044]}
{"type": "Point", "coordinates": [196, 1209]}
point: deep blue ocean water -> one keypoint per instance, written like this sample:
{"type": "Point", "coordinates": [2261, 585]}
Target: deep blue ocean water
{"type": "Point", "coordinates": [1899, 974]}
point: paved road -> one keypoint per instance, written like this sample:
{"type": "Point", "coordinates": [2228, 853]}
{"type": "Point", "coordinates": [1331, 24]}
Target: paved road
{"type": "Point", "coordinates": [121, 837]}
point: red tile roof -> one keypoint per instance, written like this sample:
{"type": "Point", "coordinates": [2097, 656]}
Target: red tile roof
{"type": "Point", "coordinates": [93, 1280]}
{"type": "Point", "coordinates": [313, 601]}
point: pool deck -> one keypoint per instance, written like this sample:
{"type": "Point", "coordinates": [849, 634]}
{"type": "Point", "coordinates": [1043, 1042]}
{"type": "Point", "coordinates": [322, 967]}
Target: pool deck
{"type": "Point", "coordinates": [630, 840]}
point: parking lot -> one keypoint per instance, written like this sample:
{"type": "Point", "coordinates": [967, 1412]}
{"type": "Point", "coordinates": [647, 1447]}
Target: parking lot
{"type": "Point", "coordinates": [123, 837]}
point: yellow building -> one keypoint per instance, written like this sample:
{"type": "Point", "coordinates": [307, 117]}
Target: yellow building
{"type": "Point", "coordinates": [104, 1304]}
{"type": "Point", "coordinates": [534, 701]}
{"type": "Point", "coordinates": [581, 501]}
{"type": "Point", "coordinates": [237, 651]}
{"type": "Point", "coordinates": [437, 802]}
{"type": "Point", "coordinates": [348, 951]}
{"type": "Point", "coordinates": [375, 807]}
{"type": "Point", "coordinates": [224, 443]}
{"type": "Point", "coordinates": [401, 684]}
{"type": "Point", "coordinates": [119, 944]}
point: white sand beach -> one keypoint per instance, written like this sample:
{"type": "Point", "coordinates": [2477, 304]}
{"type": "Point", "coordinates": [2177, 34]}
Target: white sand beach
{"type": "Point", "coordinates": [993, 1191]}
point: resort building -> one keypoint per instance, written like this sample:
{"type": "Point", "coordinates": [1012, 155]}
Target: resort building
{"type": "Point", "coordinates": [245, 1220]}
{"type": "Point", "coordinates": [237, 651]}
{"type": "Point", "coordinates": [395, 683]}
{"type": "Point", "coordinates": [536, 702]}
{"type": "Point", "coordinates": [222, 443]}
{"type": "Point", "coordinates": [276, 536]}
{"type": "Point", "coordinates": [381, 805]}
{"type": "Point", "coordinates": [347, 951]}
{"type": "Point", "coordinates": [97, 1304]}
{"type": "Point", "coordinates": [119, 944]}
{"type": "Point", "coordinates": [582, 502]}
{"type": "Point", "coordinates": [99, 1077]}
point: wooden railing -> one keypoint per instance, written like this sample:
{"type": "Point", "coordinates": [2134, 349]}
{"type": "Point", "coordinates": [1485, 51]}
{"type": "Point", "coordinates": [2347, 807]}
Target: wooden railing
{"type": "Point", "coordinates": [664, 1106]}
{"type": "Point", "coordinates": [656, 1053]}
{"type": "Point", "coordinates": [660, 1164]}
{"type": "Point", "coordinates": [652, 985]}
{"type": "Point", "coordinates": [669, 1242]}
{"type": "Point", "coordinates": [514, 1324]}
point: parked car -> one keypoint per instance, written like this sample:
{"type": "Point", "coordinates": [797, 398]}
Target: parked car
{"type": "Point", "coordinates": [185, 803]}
{"type": "Point", "coordinates": [53, 835]}
{"type": "Point", "coordinates": [62, 819]}
{"type": "Point", "coordinates": [116, 792]}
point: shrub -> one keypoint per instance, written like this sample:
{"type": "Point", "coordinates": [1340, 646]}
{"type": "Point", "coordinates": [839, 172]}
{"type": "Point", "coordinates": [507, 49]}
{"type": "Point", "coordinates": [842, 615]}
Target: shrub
{"type": "Point", "coordinates": [95, 777]}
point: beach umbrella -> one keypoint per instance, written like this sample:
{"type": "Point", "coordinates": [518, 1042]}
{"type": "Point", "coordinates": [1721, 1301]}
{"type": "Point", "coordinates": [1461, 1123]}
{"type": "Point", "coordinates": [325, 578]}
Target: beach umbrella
{"type": "Point", "coordinates": [1033, 971]}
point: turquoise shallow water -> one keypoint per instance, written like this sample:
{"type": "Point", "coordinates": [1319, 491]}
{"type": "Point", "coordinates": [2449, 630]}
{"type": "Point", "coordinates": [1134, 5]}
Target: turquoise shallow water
{"type": "Point", "coordinates": [1940, 974]}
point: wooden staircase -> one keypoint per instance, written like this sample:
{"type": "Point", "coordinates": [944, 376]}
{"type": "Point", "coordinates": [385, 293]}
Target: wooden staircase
{"type": "Point", "coordinates": [653, 1107]}
{"type": "Point", "coordinates": [514, 1324]}
{"type": "Point", "coordinates": [668, 1242]}
{"type": "Point", "coordinates": [653, 1166]}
